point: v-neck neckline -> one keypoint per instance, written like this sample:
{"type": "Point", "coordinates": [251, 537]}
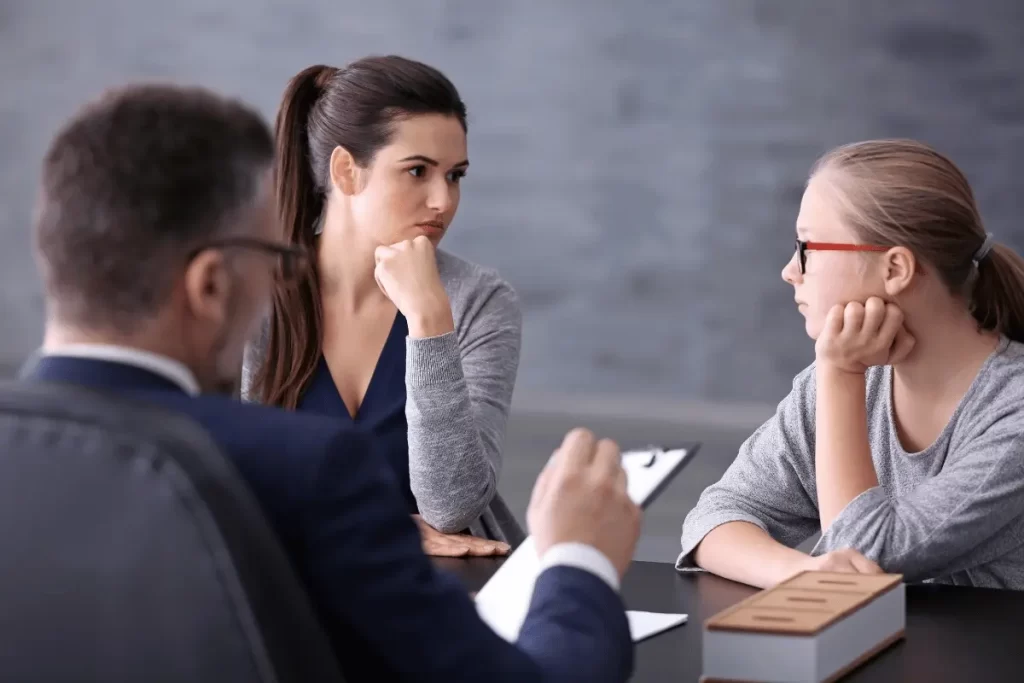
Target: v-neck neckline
{"type": "Point", "coordinates": [382, 371]}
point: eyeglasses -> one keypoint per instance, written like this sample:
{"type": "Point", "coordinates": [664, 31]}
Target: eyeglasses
{"type": "Point", "coordinates": [291, 260]}
{"type": "Point", "coordinates": [803, 247]}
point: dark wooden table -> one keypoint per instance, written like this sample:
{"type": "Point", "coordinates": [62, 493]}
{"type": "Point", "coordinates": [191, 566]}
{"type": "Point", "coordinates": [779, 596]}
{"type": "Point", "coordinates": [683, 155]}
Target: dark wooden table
{"type": "Point", "coordinates": [953, 634]}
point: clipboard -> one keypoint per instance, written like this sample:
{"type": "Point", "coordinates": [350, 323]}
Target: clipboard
{"type": "Point", "coordinates": [504, 600]}
{"type": "Point", "coordinates": [649, 471]}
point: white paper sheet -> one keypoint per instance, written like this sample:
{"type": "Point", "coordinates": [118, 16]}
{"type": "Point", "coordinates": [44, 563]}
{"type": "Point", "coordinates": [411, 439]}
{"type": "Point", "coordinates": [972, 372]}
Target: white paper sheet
{"type": "Point", "coordinates": [504, 606]}
{"type": "Point", "coordinates": [643, 625]}
{"type": "Point", "coordinates": [505, 599]}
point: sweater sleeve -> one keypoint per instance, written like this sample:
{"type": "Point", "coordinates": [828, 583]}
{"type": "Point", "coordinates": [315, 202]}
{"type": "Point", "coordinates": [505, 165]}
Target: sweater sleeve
{"type": "Point", "coordinates": [962, 517]}
{"type": "Point", "coordinates": [459, 390]}
{"type": "Point", "coordinates": [771, 481]}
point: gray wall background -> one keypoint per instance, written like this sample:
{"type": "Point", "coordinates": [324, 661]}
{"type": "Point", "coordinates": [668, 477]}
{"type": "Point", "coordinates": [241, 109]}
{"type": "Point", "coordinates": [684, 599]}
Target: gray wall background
{"type": "Point", "coordinates": [637, 166]}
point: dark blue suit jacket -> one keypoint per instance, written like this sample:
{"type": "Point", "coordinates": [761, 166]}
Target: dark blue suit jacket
{"type": "Point", "coordinates": [339, 512]}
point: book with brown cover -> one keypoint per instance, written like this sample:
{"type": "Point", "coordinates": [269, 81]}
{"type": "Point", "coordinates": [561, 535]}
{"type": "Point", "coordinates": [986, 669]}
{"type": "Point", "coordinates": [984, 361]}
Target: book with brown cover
{"type": "Point", "coordinates": [815, 626]}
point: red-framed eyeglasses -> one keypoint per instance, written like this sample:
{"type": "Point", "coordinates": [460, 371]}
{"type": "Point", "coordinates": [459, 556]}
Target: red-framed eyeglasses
{"type": "Point", "coordinates": [802, 247]}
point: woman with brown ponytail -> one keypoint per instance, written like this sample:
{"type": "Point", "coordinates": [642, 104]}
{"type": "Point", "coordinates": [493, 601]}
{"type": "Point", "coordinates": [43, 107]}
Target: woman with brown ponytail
{"type": "Point", "coordinates": [903, 443]}
{"type": "Point", "coordinates": [407, 343]}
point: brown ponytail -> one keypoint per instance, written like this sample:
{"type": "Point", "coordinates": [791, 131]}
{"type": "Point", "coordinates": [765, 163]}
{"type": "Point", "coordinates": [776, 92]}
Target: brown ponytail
{"type": "Point", "coordinates": [293, 343]}
{"type": "Point", "coordinates": [998, 301]}
{"type": "Point", "coordinates": [323, 108]}
{"type": "Point", "coordinates": [903, 192]}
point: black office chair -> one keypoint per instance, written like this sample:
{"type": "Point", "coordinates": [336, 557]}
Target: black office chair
{"type": "Point", "coordinates": [131, 550]}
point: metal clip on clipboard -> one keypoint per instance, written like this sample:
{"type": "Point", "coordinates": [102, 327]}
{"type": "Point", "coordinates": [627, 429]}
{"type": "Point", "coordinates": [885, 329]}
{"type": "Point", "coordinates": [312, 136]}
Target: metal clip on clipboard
{"type": "Point", "coordinates": [655, 451]}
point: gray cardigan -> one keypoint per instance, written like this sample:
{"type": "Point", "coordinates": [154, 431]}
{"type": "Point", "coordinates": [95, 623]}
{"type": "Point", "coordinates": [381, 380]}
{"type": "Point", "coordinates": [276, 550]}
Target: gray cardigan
{"type": "Point", "coordinates": [458, 393]}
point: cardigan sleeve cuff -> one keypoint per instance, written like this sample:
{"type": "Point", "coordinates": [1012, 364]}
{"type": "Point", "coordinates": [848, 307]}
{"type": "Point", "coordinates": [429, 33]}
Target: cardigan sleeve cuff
{"type": "Point", "coordinates": [432, 360]}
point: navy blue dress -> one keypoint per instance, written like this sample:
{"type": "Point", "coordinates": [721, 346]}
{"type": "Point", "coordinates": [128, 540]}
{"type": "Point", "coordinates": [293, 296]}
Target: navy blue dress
{"type": "Point", "coordinates": [381, 416]}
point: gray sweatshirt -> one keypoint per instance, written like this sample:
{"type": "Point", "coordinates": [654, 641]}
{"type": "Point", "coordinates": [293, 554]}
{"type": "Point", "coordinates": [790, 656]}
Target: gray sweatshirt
{"type": "Point", "coordinates": [953, 513]}
{"type": "Point", "coordinates": [458, 394]}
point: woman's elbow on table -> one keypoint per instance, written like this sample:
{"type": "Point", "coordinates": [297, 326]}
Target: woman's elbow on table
{"type": "Point", "coordinates": [452, 513]}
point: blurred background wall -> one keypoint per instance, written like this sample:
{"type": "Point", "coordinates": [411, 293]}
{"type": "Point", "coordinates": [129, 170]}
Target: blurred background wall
{"type": "Point", "coordinates": [636, 166]}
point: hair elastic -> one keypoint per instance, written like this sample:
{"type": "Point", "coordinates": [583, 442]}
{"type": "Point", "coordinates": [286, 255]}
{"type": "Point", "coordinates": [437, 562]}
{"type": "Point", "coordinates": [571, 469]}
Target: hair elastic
{"type": "Point", "coordinates": [984, 249]}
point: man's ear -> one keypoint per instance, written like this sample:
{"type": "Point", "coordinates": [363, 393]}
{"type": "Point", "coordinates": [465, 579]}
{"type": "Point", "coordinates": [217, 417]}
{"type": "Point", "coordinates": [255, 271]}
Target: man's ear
{"type": "Point", "coordinates": [345, 172]}
{"type": "Point", "coordinates": [207, 287]}
{"type": "Point", "coordinates": [900, 266]}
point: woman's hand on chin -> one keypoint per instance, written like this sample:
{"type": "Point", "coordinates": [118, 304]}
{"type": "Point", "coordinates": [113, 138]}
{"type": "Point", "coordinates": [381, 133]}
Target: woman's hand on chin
{"type": "Point", "coordinates": [858, 336]}
{"type": "Point", "coordinates": [407, 274]}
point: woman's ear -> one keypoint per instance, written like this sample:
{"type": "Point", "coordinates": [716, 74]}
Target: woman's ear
{"type": "Point", "coordinates": [344, 171]}
{"type": "Point", "coordinates": [900, 266]}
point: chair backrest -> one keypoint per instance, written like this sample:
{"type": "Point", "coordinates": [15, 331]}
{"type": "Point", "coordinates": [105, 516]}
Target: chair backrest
{"type": "Point", "coordinates": [132, 550]}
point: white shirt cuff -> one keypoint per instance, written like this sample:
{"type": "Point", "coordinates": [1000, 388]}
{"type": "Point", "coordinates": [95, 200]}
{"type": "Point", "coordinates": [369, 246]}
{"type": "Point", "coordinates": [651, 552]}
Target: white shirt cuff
{"type": "Point", "coordinates": [582, 556]}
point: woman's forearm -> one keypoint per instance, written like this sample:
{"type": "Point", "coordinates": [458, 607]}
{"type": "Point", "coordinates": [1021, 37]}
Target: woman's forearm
{"type": "Point", "coordinates": [744, 552]}
{"type": "Point", "coordinates": [459, 391]}
{"type": "Point", "coordinates": [454, 449]}
{"type": "Point", "coordinates": [842, 453]}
